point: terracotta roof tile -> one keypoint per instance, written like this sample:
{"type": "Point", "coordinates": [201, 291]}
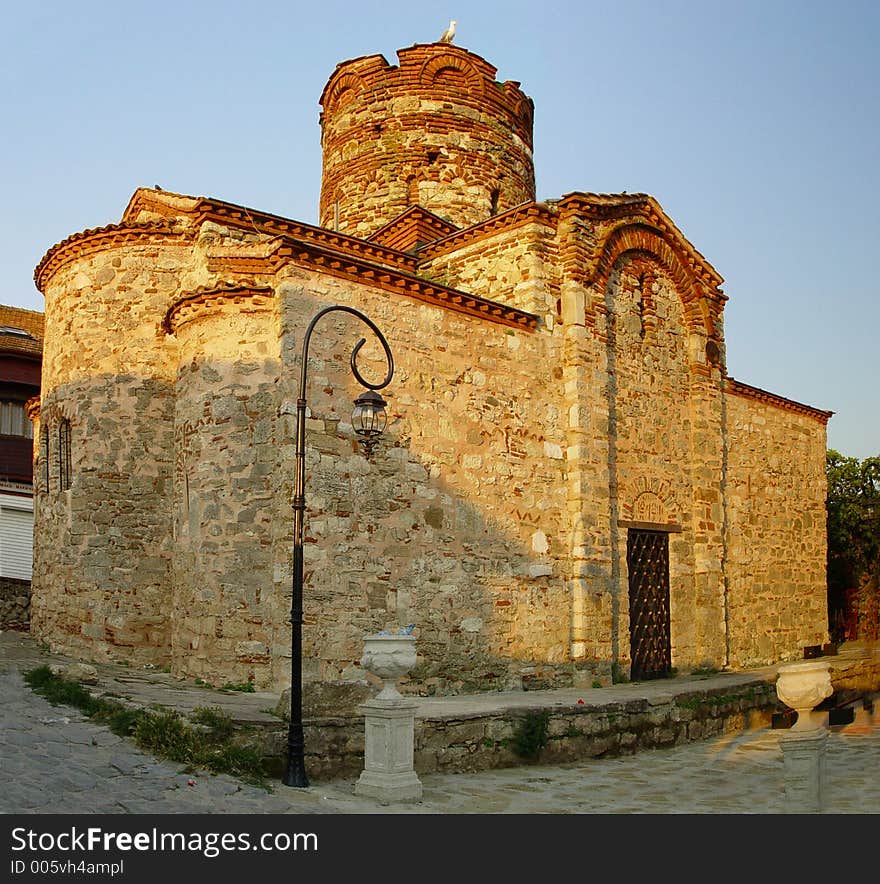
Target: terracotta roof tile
{"type": "Point", "coordinates": [21, 331]}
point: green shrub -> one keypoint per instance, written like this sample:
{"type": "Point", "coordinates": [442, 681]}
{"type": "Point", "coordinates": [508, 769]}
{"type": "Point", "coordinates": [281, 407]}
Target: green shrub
{"type": "Point", "coordinates": [530, 736]}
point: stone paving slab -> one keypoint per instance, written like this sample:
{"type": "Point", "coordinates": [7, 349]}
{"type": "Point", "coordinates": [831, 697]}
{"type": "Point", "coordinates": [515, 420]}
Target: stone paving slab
{"type": "Point", "coordinates": [54, 760]}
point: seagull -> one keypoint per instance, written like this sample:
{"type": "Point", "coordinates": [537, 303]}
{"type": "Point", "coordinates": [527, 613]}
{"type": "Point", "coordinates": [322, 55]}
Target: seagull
{"type": "Point", "coordinates": [448, 34]}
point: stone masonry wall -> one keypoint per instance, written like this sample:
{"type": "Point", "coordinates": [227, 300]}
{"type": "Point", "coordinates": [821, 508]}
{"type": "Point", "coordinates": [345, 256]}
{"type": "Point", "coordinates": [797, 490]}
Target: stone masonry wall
{"type": "Point", "coordinates": [437, 131]}
{"type": "Point", "coordinates": [650, 430]}
{"type": "Point", "coordinates": [515, 267]}
{"type": "Point", "coordinates": [102, 549]}
{"type": "Point", "coordinates": [457, 525]}
{"type": "Point", "coordinates": [776, 534]}
{"type": "Point", "coordinates": [226, 476]}
{"type": "Point", "coordinates": [15, 602]}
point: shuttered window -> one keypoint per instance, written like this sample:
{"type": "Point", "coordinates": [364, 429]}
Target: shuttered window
{"type": "Point", "coordinates": [16, 537]}
{"type": "Point", "coordinates": [14, 420]}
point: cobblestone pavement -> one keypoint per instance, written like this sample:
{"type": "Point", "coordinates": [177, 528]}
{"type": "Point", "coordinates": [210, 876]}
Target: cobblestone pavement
{"type": "Point", "coordinates": [53, 760]}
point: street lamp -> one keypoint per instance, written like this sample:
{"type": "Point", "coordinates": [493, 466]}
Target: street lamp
{"type": "Point", "coordinates": [368, 419]}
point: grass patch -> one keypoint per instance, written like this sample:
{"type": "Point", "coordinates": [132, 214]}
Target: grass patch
{"type": "Point", "coordinates": [245, 687]}
{"type": "Point", "coordinates": [207, 743]}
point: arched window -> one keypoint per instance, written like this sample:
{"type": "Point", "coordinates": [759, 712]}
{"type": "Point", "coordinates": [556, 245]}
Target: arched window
{"type": "Point", "coordinates": [64, 455]}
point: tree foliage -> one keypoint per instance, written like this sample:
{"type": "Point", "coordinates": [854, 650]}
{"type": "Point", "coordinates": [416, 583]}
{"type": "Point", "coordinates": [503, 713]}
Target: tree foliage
{"type": "Point", "coordinates": [853, 505]}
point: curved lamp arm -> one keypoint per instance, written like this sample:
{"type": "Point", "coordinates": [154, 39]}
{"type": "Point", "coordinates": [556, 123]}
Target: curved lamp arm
{"type": "Point", "coordinates": [354, 353]}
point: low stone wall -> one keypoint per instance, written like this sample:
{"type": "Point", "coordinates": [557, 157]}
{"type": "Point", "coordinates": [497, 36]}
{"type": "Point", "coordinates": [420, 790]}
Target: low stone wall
{"type": "Point", "coordinates": [483, 741]}
{"type": "Point", "coordinates": [335, 746]}
{"type": "Point", "coordinates": [580, 732]}
{"type": "Point", "coordinates": [15, 602]}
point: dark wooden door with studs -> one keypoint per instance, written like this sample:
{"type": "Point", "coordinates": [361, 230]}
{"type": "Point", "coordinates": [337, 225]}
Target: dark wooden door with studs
{"type": "Point", "coordinates": [647, 559]}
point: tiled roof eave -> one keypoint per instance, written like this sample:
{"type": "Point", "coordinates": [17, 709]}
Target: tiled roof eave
{"type": "Point", "coordinates": [527, 213]}
{"type": "Point", "coordinates": [274, 225]}
{"type": "Point", "coordinates": [97, 239]}
{"type": "Point", "coordinates": [346, 266]}
{"type": "Point", "coordinates": [747, 391]}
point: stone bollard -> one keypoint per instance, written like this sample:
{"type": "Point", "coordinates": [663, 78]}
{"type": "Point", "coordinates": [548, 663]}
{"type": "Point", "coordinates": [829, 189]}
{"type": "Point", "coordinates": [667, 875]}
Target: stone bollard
{"type": "Point", "coordinates": [389, 723]}
{"type": "Point", "coordinates": [802, 686]}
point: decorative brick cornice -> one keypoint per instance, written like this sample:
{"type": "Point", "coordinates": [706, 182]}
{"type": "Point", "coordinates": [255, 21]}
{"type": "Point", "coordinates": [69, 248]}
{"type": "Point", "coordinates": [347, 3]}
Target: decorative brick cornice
{"type": "Point", "coordinates": [640, 206]}
{"type": "Point", "coordinates": [419, 71]}
{"type": "Point", "coordinates": [747, 391]}
{"type": "Point", "coordinates": [343, 266]}
{"type": "Point", "coordinates": [207, 298]}
{"type": "Point", "coordinates": [273, 225]}
{"type": "Point", "coordinates": [197, 210]}
{"type": "Point", "coordinates": [98, 239]}
{"type": "Point", "coordinates": [306, 254]}
{"type": "Point", "coordinates": [527, 213]}
{"type": "Point", "coordinates": [414, 227]}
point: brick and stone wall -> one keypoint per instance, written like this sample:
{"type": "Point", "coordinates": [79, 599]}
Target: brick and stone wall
{"type": "Point", "coordinates": [226, 475]}
{"type": "Point", "coordinates": [438, 131]}
{"type": "Point", "coordinates": [458, 523]}
{"type": "Point", "coordinates": [776, 534]}
{"type": "Point", "coordinates": [102, 548]}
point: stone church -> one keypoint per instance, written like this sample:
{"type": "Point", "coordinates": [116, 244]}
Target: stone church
{"type": "Point", "coordinates": [570, 488]}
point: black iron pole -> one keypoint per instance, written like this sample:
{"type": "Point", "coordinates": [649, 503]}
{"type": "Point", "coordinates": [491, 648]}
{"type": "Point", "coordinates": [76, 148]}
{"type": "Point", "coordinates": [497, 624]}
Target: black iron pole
{"type": "Point", "coordinates": [295, 772]}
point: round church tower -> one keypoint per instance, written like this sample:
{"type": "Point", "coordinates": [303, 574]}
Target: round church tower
{"type": "Point", "coordinates": [436, 131]}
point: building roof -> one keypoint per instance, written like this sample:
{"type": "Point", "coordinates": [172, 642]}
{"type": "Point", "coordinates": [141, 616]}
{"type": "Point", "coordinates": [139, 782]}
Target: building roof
{"type": "Point", "coordinates": [21, 331]}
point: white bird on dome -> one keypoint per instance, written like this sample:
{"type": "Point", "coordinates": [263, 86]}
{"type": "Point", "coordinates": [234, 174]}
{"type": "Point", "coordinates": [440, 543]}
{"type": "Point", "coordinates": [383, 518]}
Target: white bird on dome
{"type": "Point", "coordinates": [448, 34]}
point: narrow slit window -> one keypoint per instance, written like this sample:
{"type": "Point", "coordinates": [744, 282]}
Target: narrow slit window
{"type": "Point", "coordinates": [64, 455]}
{"type": "Point", "coordinates": [44, 456]}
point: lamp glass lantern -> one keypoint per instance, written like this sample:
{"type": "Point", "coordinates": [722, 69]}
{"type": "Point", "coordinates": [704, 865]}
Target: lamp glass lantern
{"type": "Point", "coordinates": [369, 419]}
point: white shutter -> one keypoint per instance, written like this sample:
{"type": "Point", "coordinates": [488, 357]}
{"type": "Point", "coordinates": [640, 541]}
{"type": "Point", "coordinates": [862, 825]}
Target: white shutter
{"type": "Point", "coordinates": [16, 537]}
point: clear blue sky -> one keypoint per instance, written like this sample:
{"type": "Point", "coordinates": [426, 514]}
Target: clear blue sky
{"type": "Point", "coordinates": [755, 124]}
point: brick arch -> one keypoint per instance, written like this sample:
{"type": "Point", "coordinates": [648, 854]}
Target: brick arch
{"type": "Point", "coordinates": [342, 90]}
{"type": "Point", "coordinates": [525, 110]}
{"type": "Point", "coordinates": [649, 500]}
{"type": "Point", "coordinates": [650, 241]}
{"type": "Point", "coordinates": [433, 66]}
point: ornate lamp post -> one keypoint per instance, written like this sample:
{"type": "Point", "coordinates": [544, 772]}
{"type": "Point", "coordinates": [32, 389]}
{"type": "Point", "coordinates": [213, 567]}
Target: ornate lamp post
{"type": "Point", "coordinates": [368, 419]}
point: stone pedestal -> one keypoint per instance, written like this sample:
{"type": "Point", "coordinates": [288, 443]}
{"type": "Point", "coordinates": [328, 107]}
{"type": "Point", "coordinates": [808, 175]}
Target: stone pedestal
{"type": "Point", "coordinates": [388, 774]}
{"type": "Point", "coordinates": [802, 686]}
{"type": "Point", "coordinates": [389, 723]}
{"type": "Point", "coordinates": [803, 757]}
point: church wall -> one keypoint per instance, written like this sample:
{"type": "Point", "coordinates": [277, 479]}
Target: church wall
{"type": "Point", "coordinates": [494, 513]}
{"type": "Point", "coordinates": [650, 452]}
{"type": "Point", "coordinates": [226, 617]}
{"type": "Point", "coordinates": [457, 525]}
{"type": "Point", "coordinates": [514, 267]}
{"type": "Point", "coordinates": [103, 548]}
{"type": "Point", "coordinates": [776, 532]}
